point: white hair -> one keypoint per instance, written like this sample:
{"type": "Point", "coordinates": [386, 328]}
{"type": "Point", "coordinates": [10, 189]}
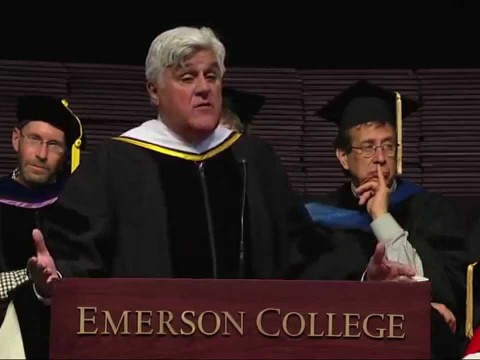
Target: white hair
{"type": "Point", "coordinates": [171, 47]}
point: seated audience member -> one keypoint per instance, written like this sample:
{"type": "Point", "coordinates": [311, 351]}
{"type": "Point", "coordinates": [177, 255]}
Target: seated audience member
{"type": "Point", "coordinates": [422, 227]}
{"type": "Point", "coordinates": [45, 137]}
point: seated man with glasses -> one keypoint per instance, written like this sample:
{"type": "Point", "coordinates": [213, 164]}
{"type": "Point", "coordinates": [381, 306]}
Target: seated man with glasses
{"type": "Point", "coordinates": [46, 134]}
{"type": "Point", "coordinates": [377, 206]}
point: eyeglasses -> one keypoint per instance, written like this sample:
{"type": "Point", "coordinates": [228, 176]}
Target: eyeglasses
{"type": "Point", "coordinates": [368, 150]}
{"type": "Point", "coordinates": [35, 141]}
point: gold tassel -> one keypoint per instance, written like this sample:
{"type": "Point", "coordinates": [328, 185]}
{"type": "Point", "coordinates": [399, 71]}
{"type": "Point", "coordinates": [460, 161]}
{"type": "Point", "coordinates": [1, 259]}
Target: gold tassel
{"type": "Point", "coordinates": [469, 302]}
{"type": "Point", "coordinates": [75, 159]}
{"type": "Point", "coordinates": [399, 134]}
{"type": "Point", "coordinates": [75, 150]}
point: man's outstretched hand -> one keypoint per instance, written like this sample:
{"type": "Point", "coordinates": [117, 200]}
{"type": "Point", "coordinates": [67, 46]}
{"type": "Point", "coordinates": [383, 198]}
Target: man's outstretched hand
{"type": "Point", "coordinates": [380, 268]}
{"type": "Point", "coordinates": [41, 267]}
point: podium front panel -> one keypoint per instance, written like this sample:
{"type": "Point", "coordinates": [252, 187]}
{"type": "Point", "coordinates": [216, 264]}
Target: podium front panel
{"type": "Point", "coordinates": [239, 319]}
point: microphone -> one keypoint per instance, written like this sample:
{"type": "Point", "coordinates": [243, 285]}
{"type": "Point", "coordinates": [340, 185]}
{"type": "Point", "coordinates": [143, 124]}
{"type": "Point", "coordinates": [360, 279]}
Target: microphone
{"type": "Point", "coordinates": [241, 270]}
{"type": "Point", "coordinates": [208, 212]}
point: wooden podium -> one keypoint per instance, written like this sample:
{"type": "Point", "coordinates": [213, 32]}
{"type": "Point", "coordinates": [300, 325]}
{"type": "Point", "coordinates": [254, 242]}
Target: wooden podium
{"type": "Point", "coordinates": [239, 319]}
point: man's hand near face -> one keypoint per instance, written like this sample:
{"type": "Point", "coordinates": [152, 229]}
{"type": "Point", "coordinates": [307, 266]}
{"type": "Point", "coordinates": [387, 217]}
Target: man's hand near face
{"type": "Point", "coordinates": [374, 193]}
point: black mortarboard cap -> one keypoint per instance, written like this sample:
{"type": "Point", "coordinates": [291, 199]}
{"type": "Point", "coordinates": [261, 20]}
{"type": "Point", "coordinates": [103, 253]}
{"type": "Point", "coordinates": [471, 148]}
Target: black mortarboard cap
{"type": "Point", "coordinates": [56, 112]}
{"type": "Point", "coordinates": [364, 102]}
{"type": "Point", "coordinates": [50, 110]}
{"type": "Point", "coordinates": [242, 103]}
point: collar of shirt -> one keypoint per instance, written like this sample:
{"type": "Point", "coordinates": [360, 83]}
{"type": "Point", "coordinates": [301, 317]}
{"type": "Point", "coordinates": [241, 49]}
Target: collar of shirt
{"type": "Point", "coordinates": [156, 132]}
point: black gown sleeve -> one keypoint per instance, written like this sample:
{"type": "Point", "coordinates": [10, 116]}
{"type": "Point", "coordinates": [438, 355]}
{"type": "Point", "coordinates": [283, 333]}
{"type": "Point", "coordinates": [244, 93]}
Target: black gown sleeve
{"type": "Point", "coordinates": [439, 237]}
{"type": "Point", "coordinates": [299, 242]}
{"type": "Point", "coordinates": [78, 230]}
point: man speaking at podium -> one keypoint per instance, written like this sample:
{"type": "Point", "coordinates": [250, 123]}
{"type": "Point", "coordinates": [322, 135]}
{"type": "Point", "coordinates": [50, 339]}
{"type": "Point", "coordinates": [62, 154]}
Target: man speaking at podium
{"type": "Point", "coordinates": [180, 195]}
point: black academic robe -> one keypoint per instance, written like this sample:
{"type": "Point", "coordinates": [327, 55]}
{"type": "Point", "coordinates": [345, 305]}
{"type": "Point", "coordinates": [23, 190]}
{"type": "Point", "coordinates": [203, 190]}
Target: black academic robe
{"type": "Point", "coordinates": [20, 209]}
{"type": "Point", "coordinates": [434, 230]}
{"type": "Point", "coordinates": [134, 211]}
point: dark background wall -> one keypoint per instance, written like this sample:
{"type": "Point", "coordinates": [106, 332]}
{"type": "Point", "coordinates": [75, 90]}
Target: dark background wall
{"type": "Point", "coordinates": [323, 34]}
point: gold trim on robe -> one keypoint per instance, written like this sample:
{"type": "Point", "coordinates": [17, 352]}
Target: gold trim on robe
{"type": "Point", "coordinates": [181, 154]}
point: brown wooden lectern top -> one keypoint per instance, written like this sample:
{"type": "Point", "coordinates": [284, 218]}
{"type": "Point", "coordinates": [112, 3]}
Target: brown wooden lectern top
{"type": "Point", "coordinates": [239, 319]}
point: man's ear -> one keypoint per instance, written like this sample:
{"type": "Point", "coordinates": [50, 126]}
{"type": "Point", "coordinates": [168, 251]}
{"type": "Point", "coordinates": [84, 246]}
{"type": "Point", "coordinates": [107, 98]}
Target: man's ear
{"type": "Point", "coordinates": [152, 92]}
{"type": "Point", "coordinates": [15, 139]}
{"type": "Point", "coordinates": [342, 157]}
